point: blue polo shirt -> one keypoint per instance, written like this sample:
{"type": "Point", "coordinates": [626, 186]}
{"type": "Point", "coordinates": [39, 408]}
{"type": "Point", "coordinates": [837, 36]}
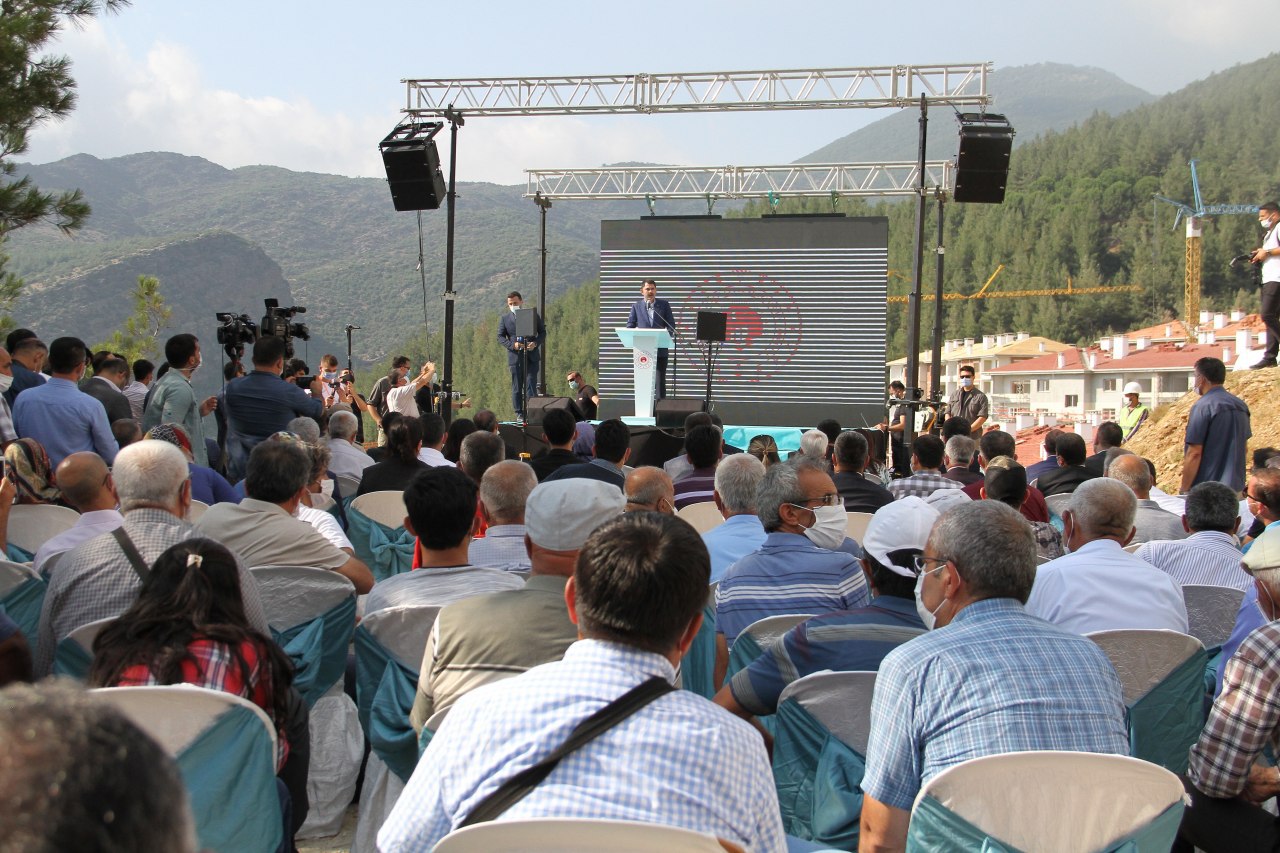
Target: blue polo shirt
{"type": "Point", "coordinates": [259, 405]}
{"type": "Point", "coordinates": [1219, 423]}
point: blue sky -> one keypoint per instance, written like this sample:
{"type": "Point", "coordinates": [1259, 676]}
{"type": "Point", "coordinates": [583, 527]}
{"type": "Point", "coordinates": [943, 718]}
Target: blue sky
{"type": "Point", "coordinates": [313, 87]}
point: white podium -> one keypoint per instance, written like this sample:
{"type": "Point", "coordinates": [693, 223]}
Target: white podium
{"type": "Point", "coordinates": [644, 345]}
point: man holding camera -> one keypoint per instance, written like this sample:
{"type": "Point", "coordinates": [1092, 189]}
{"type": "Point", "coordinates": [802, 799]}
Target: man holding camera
{"type": "Point", "coordinates": [1268, 258]}
{"type": "Point", "coordinates": [261, 404]}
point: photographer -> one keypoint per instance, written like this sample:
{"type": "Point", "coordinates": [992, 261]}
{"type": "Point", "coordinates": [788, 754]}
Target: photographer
{"type": "Point", "coordinates": [1268, 257]}
{"type": "Point", "coordinates": [262, 403]}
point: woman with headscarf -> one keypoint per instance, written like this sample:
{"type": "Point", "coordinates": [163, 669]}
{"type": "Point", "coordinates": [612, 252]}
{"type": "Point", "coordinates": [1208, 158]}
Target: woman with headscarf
{"type": "Point", "coordinates": [27, 466]}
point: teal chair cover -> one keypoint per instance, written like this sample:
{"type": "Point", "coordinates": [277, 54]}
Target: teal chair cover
{"type": "Point", "coordinates": [745, 650]}
{"type": "Point", "coordinates": [23, 604]}
{"type": "Point", "coordinates": [424, 740]}
{"type": "Point", "coordinates": [386, 552]}
{"type": "Point", "coordinates": [318, 649]}
{"type": "Point", "coordinates": [230, 773]}
{"type": "Point", "coordinates": [72, 659]}
{"type": "Point", "coordinates": [936, 829]}
{"type": "Point", "coordinates": [17, 555]}
{"type": "Point", "coordinates": [818, 778]}
{"type": "Point", "coordinates": [1166, 721]}
{"type": "Point", "coordinates": [385, 689]}
{"type": "Point", "coordinates": [698, 667]}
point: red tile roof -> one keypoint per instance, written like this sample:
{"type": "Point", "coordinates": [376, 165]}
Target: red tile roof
{"type": "Point", "coordinates": [1169, 356]}
{"type": "Point", "coordinates": [1028, 442]}
{"type": "Point", "coordinates": [1048, 363]}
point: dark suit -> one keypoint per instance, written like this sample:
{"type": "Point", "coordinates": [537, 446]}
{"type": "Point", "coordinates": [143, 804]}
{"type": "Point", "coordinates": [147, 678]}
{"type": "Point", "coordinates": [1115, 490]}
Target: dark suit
{"type": "Point", "coordinates": [106, 393]}
{"type": "Point", "coordinates": [553, 460]}
{"type": "Point", "coordinates": [662, 319]}
{"type": "Point", "coordinates": [592, 470]}
{"type": "Point", "coordinates": [1064, 480]}
{"type": "Point", "coordinates": [859, 493]}
{"type": "Point", "coordinates": [507, 337]}
{"type": "Point", "coordinates": [1095, 462]}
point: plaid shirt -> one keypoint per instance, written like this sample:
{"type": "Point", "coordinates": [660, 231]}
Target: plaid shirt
{"type": "Point", "coordinates": [921, 485]}
{"type": "Point", "coordinates": [1245, 717]}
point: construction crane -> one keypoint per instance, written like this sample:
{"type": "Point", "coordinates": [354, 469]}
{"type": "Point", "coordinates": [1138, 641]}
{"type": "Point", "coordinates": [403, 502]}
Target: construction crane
{"type": "Point", "coordinates": [1191, 309]}
{"type": "Point", "coordinates": [1069, 290]}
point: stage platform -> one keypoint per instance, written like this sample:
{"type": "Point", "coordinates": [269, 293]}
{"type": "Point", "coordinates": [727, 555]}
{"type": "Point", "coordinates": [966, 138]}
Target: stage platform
{"type": "Point", "coordinates": [653, 446]}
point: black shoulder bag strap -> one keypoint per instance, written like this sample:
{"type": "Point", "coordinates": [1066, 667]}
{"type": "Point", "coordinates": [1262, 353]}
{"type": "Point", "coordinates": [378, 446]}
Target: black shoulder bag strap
{"type": "Point", "coordinates": [131, 551]}
{"type": "Point", "coordinates": [522, 784]}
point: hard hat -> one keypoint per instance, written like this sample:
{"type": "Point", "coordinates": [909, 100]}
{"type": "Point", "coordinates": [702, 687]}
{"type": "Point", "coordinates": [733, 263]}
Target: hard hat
{"type": "Point", "coordinates": [1133, 388]}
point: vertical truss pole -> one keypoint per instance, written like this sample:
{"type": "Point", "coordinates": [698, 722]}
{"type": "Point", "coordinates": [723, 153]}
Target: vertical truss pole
{"type": "Point", "coordinates": [913, 308]}
{"type": "Point", "coordinates": [543, 204]}
{"type": "Point", "coordinates": [935, 379]}
{"type": "Point", "coordinates": [446, 387]}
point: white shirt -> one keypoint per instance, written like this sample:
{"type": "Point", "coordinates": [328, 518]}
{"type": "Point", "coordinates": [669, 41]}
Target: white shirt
{"type": "Point", "coordinates": [1271, 266]}
{"type": "Point", "coordinates": [87, 526]}
{"type": "Point", "coordinates": [326, 525]}
{"type": "Point", "coordinates": [434, 458]}
{"type": "Point", "coordinates": [401, 400]}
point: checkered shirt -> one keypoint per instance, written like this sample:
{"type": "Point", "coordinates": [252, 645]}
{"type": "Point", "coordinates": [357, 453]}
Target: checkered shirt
{"type": "Point", "coordinates": [921, 485]}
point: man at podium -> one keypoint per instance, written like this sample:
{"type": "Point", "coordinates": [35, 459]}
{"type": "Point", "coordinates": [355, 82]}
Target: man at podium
{"type": "Point", "coordinates": [650, 312]}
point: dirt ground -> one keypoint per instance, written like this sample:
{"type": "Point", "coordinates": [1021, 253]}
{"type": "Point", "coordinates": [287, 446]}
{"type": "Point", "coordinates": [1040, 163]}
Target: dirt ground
{"type": "Point", "coordinates": [1161, 440]}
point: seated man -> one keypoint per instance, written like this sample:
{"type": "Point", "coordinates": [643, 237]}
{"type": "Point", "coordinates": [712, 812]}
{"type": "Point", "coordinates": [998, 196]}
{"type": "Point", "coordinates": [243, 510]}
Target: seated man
{"type": "Point", "coordinates": [987, 679]}
{"type": "Point", "coordinates": [611, 449]}
{"type": "Point", "coordinates": [86, 485]}
{"type": "Point", "coordinates": [702, 447]}
{"type": "Point", "coordinates": [1071, 471]}
{"type": "Point", "coordinates": [636, 594]}
{"type": "Point", "coordinates": [678, 467]}
{"type": "Point", "coordinates": [504, 489]}
{"type": "Point", "coordinates": [1150, 522]}
{"type": "Point", "coordinates": [847, 640]}
{"type": "Point", "coordinates": [441, 503]}
{"type": "Point", "coordinates": [927, 456]}
{"type": "Point", "coordinates": [994, 444]}
{"type": "Point", "coordinates": [850, 459]}
{"type": "Point", "coordinates": [1006, 481]}
{"type": "Point", "coordinates": [262, 528]}
{"type": "Point", "coordinates": [1107, 436]}
{"type": "Point", "coordinates": [434, 433]}
{"type": "Point", "coordinates": [649, 489]}
{"type": "Point", "coordinates": [98, 579]}
{"type": "Point", "coordinates": [737, 478]}
{"type": "Point", "coordinates": [1209, 555]}
{"type": "Point", "coordinates": [958, 460]}
{"type": "Point", "coordinates": [345, 458]}
{"type": "Point", "coordinates": [490, 637]}
{"type": "Point", "coordinates": [1098, 586]}
{"type": "Point", "coordinates": [560, 430]}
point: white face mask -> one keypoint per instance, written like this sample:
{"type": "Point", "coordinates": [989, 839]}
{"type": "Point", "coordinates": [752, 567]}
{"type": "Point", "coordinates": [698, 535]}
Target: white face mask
{"type": "Point", "coordinates": [966, 382]}
{"type": "Point", "coordinates": [513, 308]}
{"type": "Point", "coordinates": [927, 616]}
{"type": "Point", "coordinates": [5, 381]}
{"type": "Point", "coordinates": [1265, 223]}
{"type": "Point", "coordinates": [830, 523]}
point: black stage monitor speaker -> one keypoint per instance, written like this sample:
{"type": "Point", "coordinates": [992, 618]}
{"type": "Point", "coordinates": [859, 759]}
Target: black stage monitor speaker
{"type": "Point", "coordinates": [413, 171]}
{"type": "Point", "coordinates": [982, 166]}
{"type": "Point", "coordinates": [526, 323]}
{"type": "Point", "coordinates": [713, 326]}
{"type": "Point", "coordinates": [670, 412]}
{"type": "Point", "coordinates": [538, 407]}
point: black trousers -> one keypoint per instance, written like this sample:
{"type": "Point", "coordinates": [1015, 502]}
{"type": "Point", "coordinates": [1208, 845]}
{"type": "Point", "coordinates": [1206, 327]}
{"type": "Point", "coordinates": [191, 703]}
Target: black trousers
{"type": "Point", "coordinates": [1271, 317]}
{"type": "Point", "coordinates": [662, 373]}
{"type": "Point", "coordinates": [1230, 826]}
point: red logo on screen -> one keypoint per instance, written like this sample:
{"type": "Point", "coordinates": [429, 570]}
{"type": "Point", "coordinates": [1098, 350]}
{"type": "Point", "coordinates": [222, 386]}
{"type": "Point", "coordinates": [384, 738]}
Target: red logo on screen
{"type": "Point", "coordinates": [764, 327]}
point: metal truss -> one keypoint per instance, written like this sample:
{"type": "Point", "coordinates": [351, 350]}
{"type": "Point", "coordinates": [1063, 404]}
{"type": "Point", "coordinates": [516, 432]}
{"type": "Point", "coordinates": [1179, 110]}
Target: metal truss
{"type": "Point", "coordinates": [963, 84]}
{"type": "Point", "coordinates": [709, 182]}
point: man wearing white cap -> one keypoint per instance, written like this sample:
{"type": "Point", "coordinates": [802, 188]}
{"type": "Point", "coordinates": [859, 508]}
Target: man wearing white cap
{"type": "Point", "coordinates": [490, 637]}
{"type": "Point", "coordinates": [1228, 778]}
{"type": "Point", "coordinates": [847, 640]}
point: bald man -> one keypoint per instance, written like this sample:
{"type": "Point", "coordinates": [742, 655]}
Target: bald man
{"type": "Point", "coordinates": [86, 485]}
{"type": "Point", "coordinates": [649, 489]}
{"type": "Point", "coordinates": [1151, 523]}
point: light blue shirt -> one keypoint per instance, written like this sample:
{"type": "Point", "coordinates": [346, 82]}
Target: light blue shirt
{"type": "Point", "coordinates": [1102, 587]}
{"type": "Point", "coordinates": [87, 526]}
{"type": "Point", "coordinates": [729, 542]}
{"type": "Point", "coordinates": [1208, 557]}
{"type": "Point", "coordinates": [64, 420]}
{"type": "Point", "coordinates": [501, 547]}
{"type": "Point", "coordinates": [994, 680]}
{"type": "Point", "coordinates": [679, 761]}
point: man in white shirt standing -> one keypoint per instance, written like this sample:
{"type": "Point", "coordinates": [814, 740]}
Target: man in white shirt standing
{"type": "Point", "coordinates": [1268, 256]}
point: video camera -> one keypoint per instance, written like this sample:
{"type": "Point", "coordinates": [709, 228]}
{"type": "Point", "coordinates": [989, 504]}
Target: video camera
{"type": "Point", "coordinates": [276, 323]}
{"type": "Point", "coordinates": [236, 331]}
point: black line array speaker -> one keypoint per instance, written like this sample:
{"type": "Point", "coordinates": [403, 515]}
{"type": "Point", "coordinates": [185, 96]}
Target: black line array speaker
{"type": "Point", "coordinates": [413, 172]}
{"type": "Point", "coordinates": [713, 326]}
{"type": "Point", "coordinates": [537, 408]}
{"type": "Point", "coordinates": [982, 166]}
{"type": "Point", "coordinates": [670, 412]}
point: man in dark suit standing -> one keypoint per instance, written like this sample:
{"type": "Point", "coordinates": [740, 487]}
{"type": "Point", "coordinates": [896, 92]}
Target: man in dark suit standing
{"type": "Point", "coordinates": [106, 386]}
{"type": "Point", "coordinates": [650, 312]}
{"type": "Point", "coordinates": [515, 348]}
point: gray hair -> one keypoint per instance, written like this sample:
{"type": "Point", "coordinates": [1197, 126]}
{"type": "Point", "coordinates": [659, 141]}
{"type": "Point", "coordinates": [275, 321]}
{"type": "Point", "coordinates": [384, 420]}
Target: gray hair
{"type": "Point", "coordinates": [305, 428]}
{"type": "Point", "coordinates": [1112, 454]}
{"type": "Point", "coordinates": [960, 449]}
{"type": "Point", "coordinates": [76, 774]}
{"type": "Point", "coordinates": [992, 545]}
{"type": "Point", "coordinates": [277, 470]}
{"type": "Point", "coordinates": [149, 473]}
{"type": "Point", "coordinates": [342, 425]}
{"type": "Point", "coordinates": [1132, 471]}
{"type": "Point", "coordinates": [814, 444]}
{"type": "Point", "coordinates": [480, 451]}
{"type": "Point", "coordinates": [737, 478]}
{"type": "Point", "coordinates": [505, 488]}
{"type": "Point", "coordinates": [320, 456]}
{"type": "Point", "coordinates": [851, 450]}
{"type": "Point", "coordinates": [1212, 506]}
{"type": "Point", "coordinates": [781, 485]}
{"type": "Point", "coordinates": [1102, 508]}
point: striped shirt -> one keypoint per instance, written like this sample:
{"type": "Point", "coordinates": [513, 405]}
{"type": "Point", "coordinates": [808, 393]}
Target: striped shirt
{"type": "Point", "coordinates": [994, 680]}
{"type": "Point", "coordinates": [679, 761]}
{"type": "Point", "coordinates": [789, 574]}
{"type": "Point", "coordinates": [698, 486]}
{"type": "Point", "coordinates": [1207, 557]}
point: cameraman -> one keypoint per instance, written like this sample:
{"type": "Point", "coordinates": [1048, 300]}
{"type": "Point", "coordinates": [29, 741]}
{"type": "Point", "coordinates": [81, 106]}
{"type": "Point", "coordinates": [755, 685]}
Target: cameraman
{"type": "Point", "coordinates": [1268, 257]}
{"type": "Point", "coordinates": [261, 404]}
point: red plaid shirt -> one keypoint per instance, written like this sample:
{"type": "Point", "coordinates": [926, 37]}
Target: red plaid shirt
{"type": "Point", "coordinates": [211, 664]}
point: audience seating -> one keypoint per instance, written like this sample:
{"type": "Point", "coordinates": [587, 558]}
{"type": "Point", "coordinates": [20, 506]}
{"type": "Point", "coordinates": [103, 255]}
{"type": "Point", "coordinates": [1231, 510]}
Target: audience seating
{"type": "Point", "coordinates": [560, 835]}
{"type": "Point", "coordinates": [429, 729]}
{"type": "Point", "coordinates": [758, 637]}
{"type": "Point", "coordinates": [857, 527]}
{"type": "Point", "coordinates": [1049, 802]}
{"type": "Point", "coordinates": [702, 516]}
{"type": "Point", "coordinates": [1162, 676]}
{"type": "Point", "coordinates": [22, 597]}
{"type": "Point", "coordinates": [1133, 547]}
{"type": "Point", "coordinates": [312, 615]}
{"type": "Point", "coordinates": [1212, 612]}
{"type": "Point", "coordinates": [376, 528]}
{"type": "Point", "coordinates": [390, 644]}
{"type": "Point", "coordinates": [32, 525]}
{"type": "Point", "coordinates": [1057, 503]}
{"type": "Point", "coordinates": [74, 653]}
{"type": "Point", "coordinates": [819, 755]}
{"type": "Point", "coordinates": [697, 669]}
{"type": "Point", "coordinates": [347, 485]}
{"type": "Point", "coordinates": [197, 510]}
{"type": "Point", "coordinates": [225, 747]}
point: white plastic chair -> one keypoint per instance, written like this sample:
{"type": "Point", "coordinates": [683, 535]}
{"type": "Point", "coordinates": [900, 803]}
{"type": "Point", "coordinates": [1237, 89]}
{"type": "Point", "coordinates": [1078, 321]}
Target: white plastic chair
{"type": "Point", "coordinates": [702, 516]}
{"type": "Point", "coordinates": [841, 701]}
{"type": "Point", "coordinates": [292, 595]}
{"type": "Point", "coordinates": [1144, 657]}
{"type": "Point", "coordinates": [561, 835]}
{"type": "Point", "coordinates": [348, 485]}
{"type": "Point", "coordinates": [197, 511]}
{"type": "Point", "coordinates": [32, 525]}
{"type": "Point", "coordinates": [14, 575]}
{"type": "Point", "coordinates": [765, 631]}
{"type": "Point", "coordinates": [386, 508]}
{"type": "Point", "coordinates": [857, 525]}
{"type": "Point", "coordinates": [76, 664]}
{"type": "Point", "coordinates": [1212, 612]}
{"type": "Point", "coordinates": [1055, 802]}
{"type": "Point", "coordinates": [1057, 503]}
{"type": "Point", "coordinates": [1133, 547]}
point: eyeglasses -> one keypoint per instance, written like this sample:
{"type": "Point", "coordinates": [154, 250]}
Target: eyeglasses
{"type": "Point", "coordinates": [833, 499]}
{"type": "Point", "coordinates": [921, 563]}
